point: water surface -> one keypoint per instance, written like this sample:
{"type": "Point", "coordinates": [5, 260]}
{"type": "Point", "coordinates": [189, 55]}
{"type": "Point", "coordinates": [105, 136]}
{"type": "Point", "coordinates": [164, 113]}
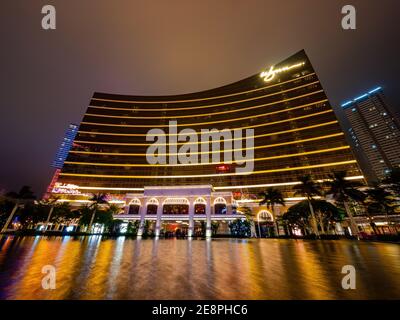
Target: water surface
{"type": "Point", "coordinates": [98, 268]}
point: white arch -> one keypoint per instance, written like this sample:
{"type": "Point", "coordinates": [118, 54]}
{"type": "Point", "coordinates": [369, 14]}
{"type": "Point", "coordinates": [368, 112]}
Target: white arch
{"type": "Point", "coordinates": [176, 201]}
{"type": "Point", "coordinates": [265, 215]}
{"type": "Point", "coordinates": [219, 200]}
{"type": "Point", "coordinates": [200, 200]}
{"type": "Point", "coordinates": [135, 201]}
{"type": "Point", "coordinates": [152, 201]}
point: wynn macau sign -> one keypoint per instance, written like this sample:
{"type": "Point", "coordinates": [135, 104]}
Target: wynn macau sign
{"type": "Point", "coordinates": [270, 74]}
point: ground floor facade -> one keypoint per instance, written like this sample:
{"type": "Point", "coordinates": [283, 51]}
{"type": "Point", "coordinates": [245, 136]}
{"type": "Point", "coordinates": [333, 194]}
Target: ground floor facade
{"type": "Point", "coordinates": [181, 211]}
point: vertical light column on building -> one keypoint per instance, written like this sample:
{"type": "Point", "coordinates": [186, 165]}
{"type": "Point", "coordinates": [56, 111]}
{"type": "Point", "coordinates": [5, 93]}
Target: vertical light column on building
{"type": "Point", "coordinates": [191, 217]}
{"type": "Point", "coordinates": [158, 221]}
{"type": "Point", "coordinates": [208, 217]}
{"type": "Point", "coordinates": [142, 212]}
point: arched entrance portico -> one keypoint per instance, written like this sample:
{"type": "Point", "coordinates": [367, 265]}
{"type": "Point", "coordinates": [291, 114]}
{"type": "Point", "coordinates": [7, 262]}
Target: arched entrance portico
{"type": "Point", "coordinates": [178, 206]}
{"type": "Point", "coordinates": [220, 206]}
{"type": "Point", "coordinates": [152, 206]}
{"type": "Point", "coordinates": [265, 224]}
{"type": "Point", "coordinates": [134, 207]}
{"type": "Point", "coordinates": [200, 206]}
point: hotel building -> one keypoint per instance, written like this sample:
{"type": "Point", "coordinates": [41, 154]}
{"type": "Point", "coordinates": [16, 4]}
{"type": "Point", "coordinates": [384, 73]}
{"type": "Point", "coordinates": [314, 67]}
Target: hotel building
{"type": "Point", "coordinates": [375, 132]}
{"type": "Point", "coordinates": [295, 133]}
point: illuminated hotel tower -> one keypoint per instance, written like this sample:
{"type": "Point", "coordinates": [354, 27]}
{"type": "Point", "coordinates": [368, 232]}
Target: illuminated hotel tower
{"type": "Point", "coordinates": [375, 132]}
{"type": "Point", "coordinates": [295, 133]}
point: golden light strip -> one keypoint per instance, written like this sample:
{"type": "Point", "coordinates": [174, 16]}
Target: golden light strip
{"type": "Point", "coordinates": [286, 199]}
{"type": "Point", "coordinates": [210, 152]}
{"type": "Point", "coordinates": [213, 105]}
{"type": "Point", "coordinates": [209, 175]}
{"type": "Point", "coordinates": [207, 142]}
{"type": "Point", "coordinates": [145, 144]}
{"type": "Point", "coordinates": [209, 114]}
{"type": "Point", "coordinates": [204, 164]}
{"type": "Point", "coordinates": [203, 123]}
{"type": "Point", "coordinates": [226, 120]}
{"type": "Point", "coordinates": [282, 184]}
{"type": "Point", "coordinates": [208, 98]}
{"type": "Point", "coordinates": [89, 201]}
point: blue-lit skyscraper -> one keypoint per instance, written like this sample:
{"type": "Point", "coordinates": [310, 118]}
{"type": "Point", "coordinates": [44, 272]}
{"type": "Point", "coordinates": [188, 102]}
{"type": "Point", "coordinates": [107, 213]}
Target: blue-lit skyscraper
{"type": "Point", "coordinates": [66, 145]}
{"type": "Point", "coordinates": [61, 155]}
{"type": "Point", "coordinates": [375, 132]}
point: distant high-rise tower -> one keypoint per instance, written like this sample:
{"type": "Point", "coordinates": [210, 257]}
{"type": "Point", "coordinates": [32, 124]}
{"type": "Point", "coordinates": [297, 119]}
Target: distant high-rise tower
{"type": "Point", "coordinates": [66, 145]}
{"type": "Point", "coordinates": [375, 132]}
{"type": "Point", "coordinates": [61, 155]}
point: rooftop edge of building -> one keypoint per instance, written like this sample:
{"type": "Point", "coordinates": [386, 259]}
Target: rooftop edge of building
{"type": "Point", "coordinates": [350, 103]}
{"type": "Point", "coordinates": [251, 82]}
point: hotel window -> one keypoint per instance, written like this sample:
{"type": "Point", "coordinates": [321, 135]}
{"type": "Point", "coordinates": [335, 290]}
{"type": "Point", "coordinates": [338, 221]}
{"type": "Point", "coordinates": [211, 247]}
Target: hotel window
{"type": "Point", "coordinates": [134, 209]}
{"type": "Point", "coordinates": [152, 209]}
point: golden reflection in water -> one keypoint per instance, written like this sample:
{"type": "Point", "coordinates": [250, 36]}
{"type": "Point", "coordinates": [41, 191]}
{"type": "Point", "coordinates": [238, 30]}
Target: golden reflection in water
{"type": "Point", "coordinates": [314, 281]}
{"type": "Point", "coordinates": [99, 268]}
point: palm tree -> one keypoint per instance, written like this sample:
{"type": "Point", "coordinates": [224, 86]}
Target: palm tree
{"type": "Point", "coordinates": [97, 199]}
{"type": "Point", "coordinates": [271, 198]}
{"type": "Point", "coordinates": [381, 199]}
{"type": "Point", "coordinates": [50, 203]}
{"type": "Point", "coordinates": [308, 188]}
{"type": "Point", "coordinates": [328, 214]}
{"type": "Point", "coordinates": [107, 217]}
{"type": "Point", "coordinates": [24, 196]}
{"type": "Point", "coordinates": [343, 191]}
{"type": "Point", "coordinates": [114, 209]}
{"type": "Point", "coordinates": [250, 217]}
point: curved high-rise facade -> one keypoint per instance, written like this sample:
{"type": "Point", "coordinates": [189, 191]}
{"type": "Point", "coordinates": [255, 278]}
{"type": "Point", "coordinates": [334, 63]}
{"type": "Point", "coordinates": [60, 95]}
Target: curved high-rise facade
{"type": "Point", "coordinates": [295, 133]}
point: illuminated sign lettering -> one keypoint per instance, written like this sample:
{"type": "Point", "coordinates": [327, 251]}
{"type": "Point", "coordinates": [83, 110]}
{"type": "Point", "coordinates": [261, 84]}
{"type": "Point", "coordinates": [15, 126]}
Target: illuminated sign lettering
{"type": "Point", "coordinates": [270, 74]}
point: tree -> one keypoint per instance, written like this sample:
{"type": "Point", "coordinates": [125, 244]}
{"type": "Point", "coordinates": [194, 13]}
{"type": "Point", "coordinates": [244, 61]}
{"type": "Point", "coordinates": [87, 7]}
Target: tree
{"type": "Point", "coordinates": [31, 214]}
{"type": "Point", "coordinates": [298, 215]}
{"type": "Point", "coordinates": [214, 227]}
{"type": "Point", "coordinates": [97, 199]}
{"type": "Point", "coordinates": [114, 209]}
{"type": "Point", "coordinates": [6, 206]}
{"type": "Point", "coordinates": [308, 188]}
{"type": "Point", "coordinates": [22, 198]}
{"type": "Point", "coordinates": [248, 213]}
{"type": "Point", "coordinates": [327, 213]}
{"type": "Point", "coordinates": [133, 227]}
{"type": "Point", "coordinates": [343, 191]}
{"type": "Point", "coordinates": [85, 215]}
{"type": "Point", "coordinates": [240, 228]}
{"type": "Point", "coordinates": [271, 198]}
{"type": "Point", "coordinates": [51, 204]}
{"type": "Point", "coordinates": [63, 213]}
{"type": "Point", "coordinates": [381, 199]}
{"type": "Point", "coordinates": [107, 216]}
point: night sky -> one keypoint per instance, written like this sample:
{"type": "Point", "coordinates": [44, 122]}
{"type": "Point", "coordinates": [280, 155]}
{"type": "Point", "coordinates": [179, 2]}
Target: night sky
{"type": "Point", "coordinates": [169, 47]}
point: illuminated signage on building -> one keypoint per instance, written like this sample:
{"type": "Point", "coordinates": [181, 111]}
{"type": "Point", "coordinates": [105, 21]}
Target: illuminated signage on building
{"type": "Point", "coordinates": [270, 74]}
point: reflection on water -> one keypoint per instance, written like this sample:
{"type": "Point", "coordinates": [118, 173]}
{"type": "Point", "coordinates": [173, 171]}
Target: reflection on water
{"type": "Point", "coordinates": [98, 268]}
